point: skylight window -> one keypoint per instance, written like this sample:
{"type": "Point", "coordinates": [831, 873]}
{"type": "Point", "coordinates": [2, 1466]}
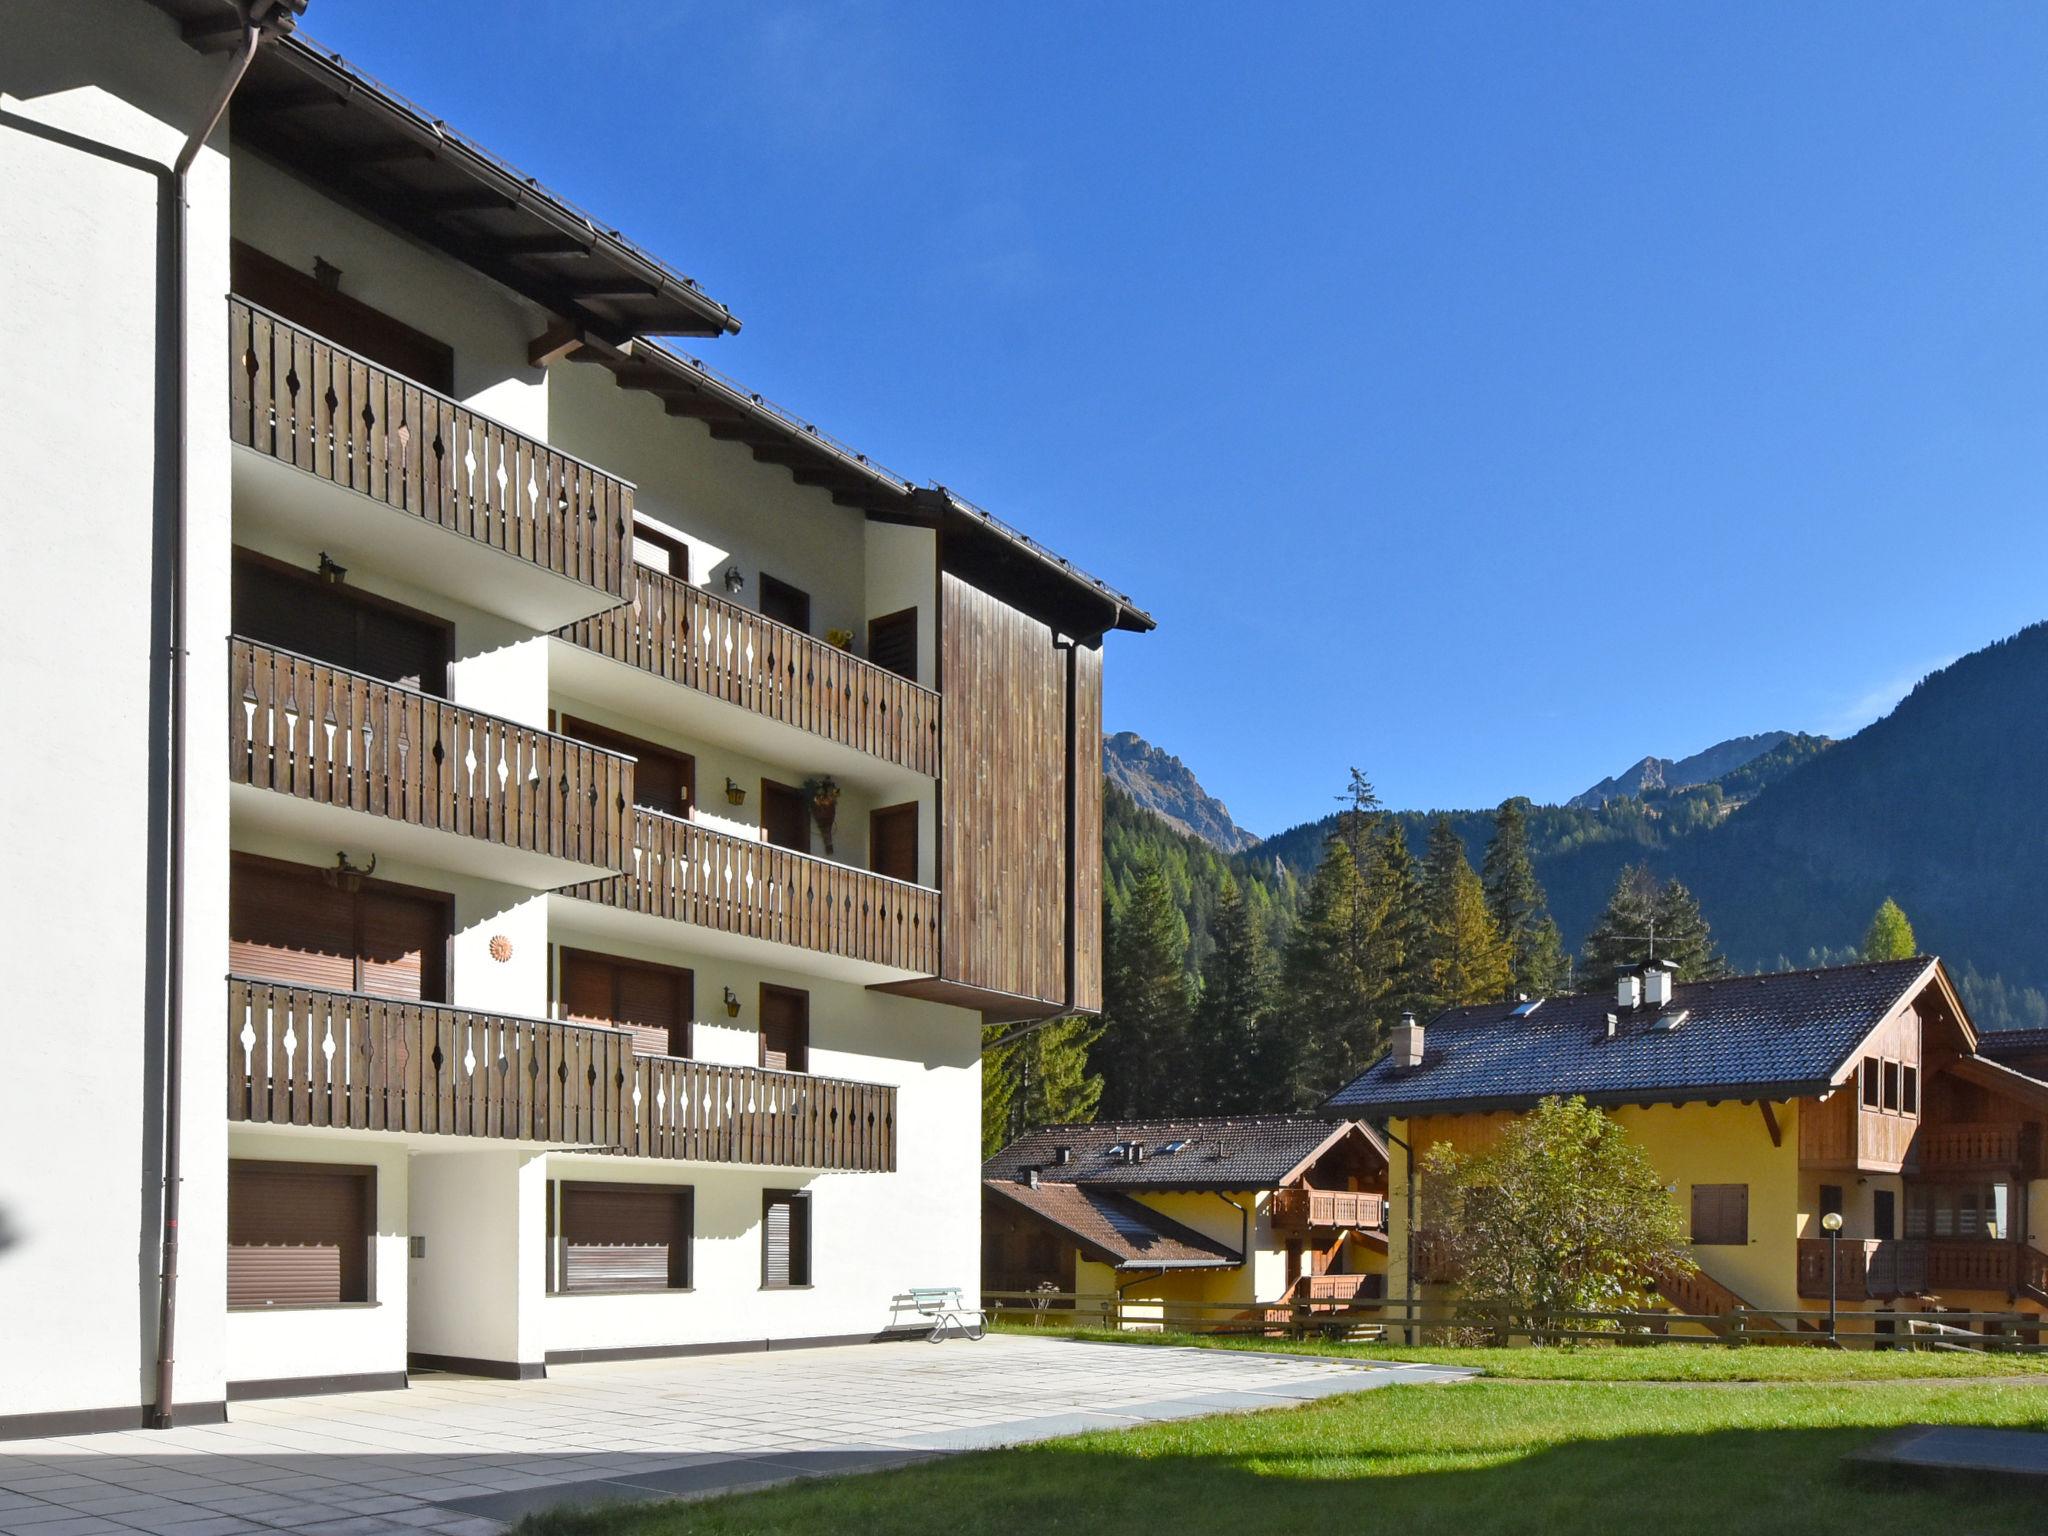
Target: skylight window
{"type": "Point", "coordinates": [1527, 1006]}
{"type": "Point", "coordinates": [1171, 1147]}
{"type": "Point", "coordinates": [1671, 1020]}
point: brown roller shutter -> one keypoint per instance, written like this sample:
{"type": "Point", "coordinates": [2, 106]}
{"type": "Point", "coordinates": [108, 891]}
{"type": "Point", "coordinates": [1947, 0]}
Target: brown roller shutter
{"type": "Point", "coordinates": [403, 945]}
{"type": "Point", "coordinates": [651, 1001]}
{"type": "Point", "coordinates": [586, 988]}
{"type": "Point", "coordinates": [625, 1237]}
{"type": "Point", "coordinates": [298, 1233]}
{"type": "Point", "coordinates": [287, 924]}
{"type": "Point", "coordinates": [303, 299]}
{"type": "Point", "coordinates": [295, 610]}
{"type": "Point", "coordinates": [892, 842]}
{"type": "Point", "coordinates": [785, 1238]}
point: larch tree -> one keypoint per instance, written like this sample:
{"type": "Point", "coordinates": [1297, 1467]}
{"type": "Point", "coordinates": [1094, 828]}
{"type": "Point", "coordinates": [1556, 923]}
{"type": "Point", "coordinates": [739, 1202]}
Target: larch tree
{"type": "Point", "coordinates": [1467, 957]}
{"type": "Point", "coordinates": [1889, 936]}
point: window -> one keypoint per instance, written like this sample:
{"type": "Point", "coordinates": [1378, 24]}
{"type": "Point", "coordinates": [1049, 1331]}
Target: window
{"type": "Point", "coordinates": [652, 1002]}
{"type": "Point", "coordinates": [660, 551]}
{"type": "Point", "coordinates": [1831, 1199]}
{"type": "Point", "coordinates": [892, 842]}
{"type": "Point", "coordinates": [785, 1029]}
{"type": "Point", "coordinates": [1957, 1210]}
{"type": "Point", "coordinates": [1909, 1090]}
{"type": "Point", "coordinates": [664, 779]}
{"type": "Point", "coordinates": [1891, 1086]}
{"type": "Point", "coordinates": [306, 927]}
{"type": "Point", "coordinates": [299, 1233]}
{"type": "Point", "coordinates": [294, 610]}
{"type": "Point", "coordinates": [785, 816]}
{"type": "Point", "coordinates": [1873, 1072]}
{"type": "Point", "coordinates": [892, 642]}
{"type": "Point", "coordinates": [1720, 1213]}
{"type": "Point", "coordinates": [785, 604]}
{"type": "Point", "coordinates": [608, 1238]}
{"type": "Point", "coordinates": [785, 1238]}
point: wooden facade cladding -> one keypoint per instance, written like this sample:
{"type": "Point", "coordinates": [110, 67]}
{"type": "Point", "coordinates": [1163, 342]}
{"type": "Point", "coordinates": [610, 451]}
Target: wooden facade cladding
{"type": "Point", "coordinates": [306, 402]}
{"type": "Point", "coordinates": [1842, 1131]}
{"type": "Point", "coordinates": [684, 634]}
{"type": "Point", "coordinates": [301, 1056]}
{"type": "Point", "coordinates": [335, 737]}
{"type": "Point", "coordinates": [1300, 1209]}
{"type": "Point", "coordinates": [1014, 753]}
{"type": "Point", "coordinates": [691, 874]}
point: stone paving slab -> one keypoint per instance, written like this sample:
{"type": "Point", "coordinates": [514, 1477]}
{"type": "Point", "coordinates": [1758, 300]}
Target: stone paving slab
{"type": "Point", "coordinates": [1952, 1448]}
{"type": "Point", "coordinates": [462, 1456]}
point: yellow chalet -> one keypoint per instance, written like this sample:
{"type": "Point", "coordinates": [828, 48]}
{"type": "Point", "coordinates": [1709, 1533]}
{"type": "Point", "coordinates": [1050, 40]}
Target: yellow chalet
{"type": "Point", "coordinates": [1767, 1102]}
{"type": "Point", "coordinates": [1250, 1209]}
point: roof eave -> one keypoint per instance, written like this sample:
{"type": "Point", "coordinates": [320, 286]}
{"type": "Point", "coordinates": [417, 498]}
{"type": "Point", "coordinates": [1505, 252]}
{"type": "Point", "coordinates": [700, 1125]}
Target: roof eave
{"type": "Point", "coordinates": [1718, 1093]}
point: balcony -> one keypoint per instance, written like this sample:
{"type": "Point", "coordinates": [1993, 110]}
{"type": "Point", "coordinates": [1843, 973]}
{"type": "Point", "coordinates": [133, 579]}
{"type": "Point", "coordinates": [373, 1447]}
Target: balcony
{"type": "Point", "coordinates": [1880, 1269]}
{"type": "Point", "coordinates": [385, 474]}
{"type": "Point", "coordinates": [752, 891]}
{"type": "Point", "coordinates": [346, 1060]}
{"type": "Point", "coordinates": [677, 633]}
{"type": "Point", "coordinates": [1338, 1288]}
{"type": "Point", "coordinates": [1982, 1146]}
{"type": "Point", "coordinates": [1327, 1209]}
{"type": "Point", "coordinates": [321, 752]}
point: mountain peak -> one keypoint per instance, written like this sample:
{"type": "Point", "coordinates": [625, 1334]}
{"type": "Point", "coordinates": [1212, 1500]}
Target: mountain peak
{"type": "Point", "coordinates": [1668, 773]}
{"type": "Point", "coordinates": [1167, 787]}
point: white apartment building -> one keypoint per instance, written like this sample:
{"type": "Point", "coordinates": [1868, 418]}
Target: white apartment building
{"type": "Point", "coordinates": [511, 839]}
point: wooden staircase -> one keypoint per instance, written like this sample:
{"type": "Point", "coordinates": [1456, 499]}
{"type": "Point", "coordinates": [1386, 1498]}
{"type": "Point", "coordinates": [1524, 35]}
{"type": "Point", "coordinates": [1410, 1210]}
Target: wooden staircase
{"type": "Point", "coordinates": [1699, 1294]}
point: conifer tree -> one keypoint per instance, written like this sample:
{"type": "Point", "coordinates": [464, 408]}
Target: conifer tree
{"type": "Point", "coordinates": [1404, 928]}
{"type": "Point", "coordinates": [1231, 1015]}
{"type": "Point", "coordinates": [1683, 936]}
{"type": "Point", "coordinates": [1467, 955]}
{"type": "Point", "coordinates": [1518, 904]}
{"type": "Point", "coordinates": [1619, 936]}
{"type": "Point", "coordinates": [1889, 936]}
{"type": "Point", "coordinates": [1144, 1046]}
{"type": "Point", "coordinates": [1036, 1075]}
{"type": "Point", "coordinates": [1330, 1025]}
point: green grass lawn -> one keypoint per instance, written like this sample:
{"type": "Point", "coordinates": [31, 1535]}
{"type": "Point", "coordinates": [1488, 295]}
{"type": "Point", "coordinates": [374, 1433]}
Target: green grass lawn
{"type": "Point", "coordinates": [1468, 1460]}
{"type": "Point", "coordinates": [1648, 1362]}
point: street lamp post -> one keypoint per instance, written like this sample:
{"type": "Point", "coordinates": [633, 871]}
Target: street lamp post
{"type": "Point", "coordinates": [1832, 1225]}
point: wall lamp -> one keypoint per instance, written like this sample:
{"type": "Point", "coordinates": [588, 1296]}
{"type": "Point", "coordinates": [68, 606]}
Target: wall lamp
{"type": "Point", "coordinates": [735, 580]}
{"type": "Point", "coordinates": [332, 570]}
{"type": "Point", "coordinates": [732, 1003]}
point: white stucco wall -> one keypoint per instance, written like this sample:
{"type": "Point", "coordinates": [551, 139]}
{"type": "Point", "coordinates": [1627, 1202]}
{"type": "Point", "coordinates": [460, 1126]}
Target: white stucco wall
{"type": "Point", "coordinates": [903, 572]}
{"type": "Point", "coordinates": [94, 96]}
{"type": "Point", "coordinates": [356, 1339]}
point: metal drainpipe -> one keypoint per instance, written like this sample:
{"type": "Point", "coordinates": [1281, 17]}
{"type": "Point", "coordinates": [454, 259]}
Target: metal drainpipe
{"type": "Point", "coordinates": [163, 1411]}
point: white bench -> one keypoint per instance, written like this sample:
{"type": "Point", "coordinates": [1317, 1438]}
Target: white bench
{"type": "Point", "coordinates": [944, 1305]}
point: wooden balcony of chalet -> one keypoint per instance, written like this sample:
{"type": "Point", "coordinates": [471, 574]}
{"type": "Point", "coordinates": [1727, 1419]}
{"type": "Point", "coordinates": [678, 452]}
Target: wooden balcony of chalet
{"type": "Point", "coordinates": [347, 1060]}
{"type": "Point", "coordinates": [1871, 1269]}
{"type": "Point", "coordinates": [1295, 1210]}
{"type": "Point", "coordinates": [683, 634]}
{"type": "Point", "coordinates": [1988, 1146]}
{"type": "Point", "coordinates": [321, 742]}
{"type": "Point", "coordinates": [437, 493]}
{"type": "Point", "coordinates": [687, 873]}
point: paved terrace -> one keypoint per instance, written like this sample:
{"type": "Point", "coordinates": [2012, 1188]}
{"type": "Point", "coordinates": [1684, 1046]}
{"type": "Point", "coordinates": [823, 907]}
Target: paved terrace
{"type": "Point", "coordinates": [463, 1455]}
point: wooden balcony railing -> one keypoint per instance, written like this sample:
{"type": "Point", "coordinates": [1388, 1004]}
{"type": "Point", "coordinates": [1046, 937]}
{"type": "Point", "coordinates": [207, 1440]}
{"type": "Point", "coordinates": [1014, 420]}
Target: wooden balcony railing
{"type": "Point", "coordinates": [1873, 1269]}
{"type": "Point", "coordinates": [1296, 1209]}
{"type": "Point", "coordinates": [1974, 1144]}
{"type": "Point", "coordinates": [301, 1056]}
{"type": "Point", "coordinates": [307, 402]}
{"type": "Point", "coordinates": [688, 636]}
{"type": "Point", "coordinates": [691, 874]}
{"type": "Point", "coordinates": [1337, 1287]}
{"type": "Point", "coordinates": [335, 737]}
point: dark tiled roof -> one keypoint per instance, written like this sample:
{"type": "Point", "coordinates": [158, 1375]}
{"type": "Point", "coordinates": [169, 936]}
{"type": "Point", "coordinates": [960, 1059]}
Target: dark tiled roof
{"type": "Point", "coordinates": [1229, 1153]}
{"type": "Point", "coordinates": [1748, 1036]}
{"type": "Point", "coordinates": [2015, 1047]}
{"type": "Point", "coordinates": [1115, 1229]}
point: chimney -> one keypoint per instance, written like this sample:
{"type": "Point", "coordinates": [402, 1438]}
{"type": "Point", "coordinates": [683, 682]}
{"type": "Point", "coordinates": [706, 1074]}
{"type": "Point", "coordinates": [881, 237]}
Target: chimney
{"type": "Point", "coordinates": [1408, 1042]}
{"type": "Point", "coordinates": [1031, 1178]}
{"type": "Point", "coordinates": [1137, 1151]}
{"type": "Point", "coordinates": [1628, 990]}
{"type": "Point", "coordinates": [1659, 980]}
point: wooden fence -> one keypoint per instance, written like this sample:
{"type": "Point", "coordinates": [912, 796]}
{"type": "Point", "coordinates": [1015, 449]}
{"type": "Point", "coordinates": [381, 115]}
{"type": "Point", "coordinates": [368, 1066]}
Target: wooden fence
{"type": "Point", "coordinates": [692, 874]}
{"type": "Point", "coordinates": [325, 734]}
{"type": "Point", "coordinates": [304, 1056]}
{"type": "Point", "coordinates": [689, 636]}
{"type": "Point", "coordinates": [1430, 1321]}
{"type": "Point", "coordinates": [306, 402]}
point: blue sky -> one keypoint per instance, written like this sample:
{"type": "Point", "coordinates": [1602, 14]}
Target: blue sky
{"type": "Point", "coordinates": [1484, 395]}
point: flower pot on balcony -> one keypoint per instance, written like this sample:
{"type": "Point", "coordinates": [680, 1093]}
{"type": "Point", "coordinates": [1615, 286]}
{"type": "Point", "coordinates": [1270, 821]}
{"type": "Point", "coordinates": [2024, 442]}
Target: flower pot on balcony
{"type": "Point", "coordinates": [824, 797]}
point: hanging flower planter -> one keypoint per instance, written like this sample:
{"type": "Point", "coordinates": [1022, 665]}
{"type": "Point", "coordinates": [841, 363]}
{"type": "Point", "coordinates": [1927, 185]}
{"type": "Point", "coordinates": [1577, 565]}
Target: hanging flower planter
{"type": "Point", "coordinates": [824, 797]}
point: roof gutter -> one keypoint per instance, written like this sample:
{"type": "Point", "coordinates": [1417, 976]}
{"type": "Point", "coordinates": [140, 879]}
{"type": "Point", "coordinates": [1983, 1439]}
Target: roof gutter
{"type": "Point", "coordinates": [257, 19]}
{"type": "Point", "coordinates": [1409, 1109]}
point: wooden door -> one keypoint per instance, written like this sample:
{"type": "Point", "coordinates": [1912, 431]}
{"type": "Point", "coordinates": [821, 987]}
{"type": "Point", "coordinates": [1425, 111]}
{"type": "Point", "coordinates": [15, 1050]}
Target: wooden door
{"type": "Point", "coordinates": [785, 1029]}
{"type": "Point", "coordinates": [785, 817]}
{"type": "Point", "coordinates": [664, 779]}
{"type": "Point", "coordinates": [892, 841]}
{"type": "Point", "coordinates": [892, 642]}
{"type": "Point", "coordinates": [785, 604]}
